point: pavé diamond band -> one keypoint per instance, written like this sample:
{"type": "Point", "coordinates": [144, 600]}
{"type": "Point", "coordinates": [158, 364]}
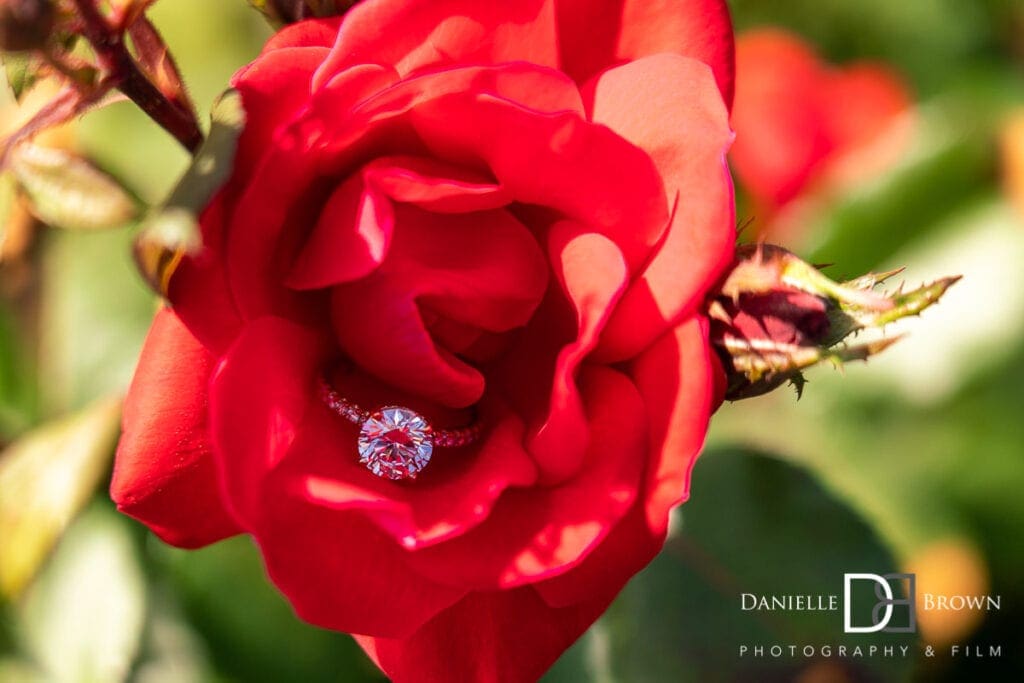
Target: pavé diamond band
{"type": "Point", "coordinates": [395, 442]}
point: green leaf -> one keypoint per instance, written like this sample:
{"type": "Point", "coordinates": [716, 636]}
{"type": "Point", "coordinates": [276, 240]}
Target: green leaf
{"type": "Point", "coordinates": [82, 621]}
{"type": "Point", "coordinates": [213, 162]}
{"type": "Point", "coordinates": [66, 191]}
{"type": "Point", "coordinates": [46, 476]}
{"type": "Point", "coordinates": [247, 623]}
{"type": "Point", "coordinates": [172, 231]}
{"type": "Point", "coordinates": [17, 391]}
{"type": "Point", "coordinates": [757, 525]}
{"type": "Point", "coordinates": [946, 168]}
{"type": "Point", "coordinates": [172, 652]}
{"type": "Point", "coordinates": [94, 314]}
{"type": "Point", "coordinates": [20, 71]}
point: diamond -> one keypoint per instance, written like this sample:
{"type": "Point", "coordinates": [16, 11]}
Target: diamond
{"type": "Point", "coordinates": [395, 443]}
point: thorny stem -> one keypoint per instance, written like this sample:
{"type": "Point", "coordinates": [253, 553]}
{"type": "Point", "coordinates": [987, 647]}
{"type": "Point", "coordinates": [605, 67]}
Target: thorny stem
{"type": "Point", "coordinates": [114, 56]}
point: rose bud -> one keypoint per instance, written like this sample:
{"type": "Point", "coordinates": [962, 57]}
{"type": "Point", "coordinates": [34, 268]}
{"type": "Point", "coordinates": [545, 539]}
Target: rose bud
{"type": "Point", "coordinates": [775, 316]}
{"type": "Point", "coordinates": [25, 24]}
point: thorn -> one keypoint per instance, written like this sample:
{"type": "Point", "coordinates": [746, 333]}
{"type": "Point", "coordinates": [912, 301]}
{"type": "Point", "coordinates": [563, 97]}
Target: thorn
{"type": "Point", "coordinates": [742, 226]}
{"type": "Point", "coordinates": [912, 302]}
{"type": "Point", "coordinates": [798, 381]}
{"type": "Point", "coordinates": [869, 280]}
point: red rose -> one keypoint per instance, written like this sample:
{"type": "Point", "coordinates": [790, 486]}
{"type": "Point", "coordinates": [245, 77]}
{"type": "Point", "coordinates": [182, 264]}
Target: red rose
{"type": "Point", "coordinates": [803, 124]}
{"type": "Point", "coordinates": [508, 208]}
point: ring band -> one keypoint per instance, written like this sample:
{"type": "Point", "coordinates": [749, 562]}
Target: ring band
{"type": "Point", "coordinates": [395, 442]}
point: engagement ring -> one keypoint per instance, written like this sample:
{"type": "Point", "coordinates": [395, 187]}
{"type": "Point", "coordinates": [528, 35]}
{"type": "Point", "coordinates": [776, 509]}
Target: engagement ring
{"type": "Point", "coordinates": [395, 442]}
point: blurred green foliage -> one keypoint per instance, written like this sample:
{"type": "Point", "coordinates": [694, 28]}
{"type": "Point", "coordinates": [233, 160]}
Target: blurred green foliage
{"type": "Point", "coordinates": [863, 474]}
{"type": "Point", "coordinates": [769, 529]}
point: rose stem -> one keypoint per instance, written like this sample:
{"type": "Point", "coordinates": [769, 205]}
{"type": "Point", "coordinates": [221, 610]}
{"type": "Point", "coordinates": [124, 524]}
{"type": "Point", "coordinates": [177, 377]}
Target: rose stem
{"type": "Point", "coordinates": [113, 56]}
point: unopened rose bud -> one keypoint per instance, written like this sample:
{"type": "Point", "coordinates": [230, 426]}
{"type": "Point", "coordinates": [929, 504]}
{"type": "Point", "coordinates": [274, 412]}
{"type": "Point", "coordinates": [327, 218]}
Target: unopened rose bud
{"type": "Point", "coordinates": [775, 316]}
{"type": "Point", "coordinates": [25, 24]}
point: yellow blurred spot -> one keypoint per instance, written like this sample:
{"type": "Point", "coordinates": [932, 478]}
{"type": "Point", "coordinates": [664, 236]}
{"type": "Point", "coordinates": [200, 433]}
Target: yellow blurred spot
{"type": "Point", "coordinates": [1011, 145]}
{"type": "Point", "coordinates": [46, 476]}
{"type": "Point", "coordinates": [18, 224]}
{"type": "Point", "coordinates": [823, 672]}
{"type": "Point", "coordinates": [13, 115]}
{"type": "Point", "coordinates": [946, 568]}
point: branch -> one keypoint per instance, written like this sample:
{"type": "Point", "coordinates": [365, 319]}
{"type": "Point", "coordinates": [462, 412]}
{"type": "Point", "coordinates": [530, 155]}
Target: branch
{"type": "Point", "coordinates": [114, 57]}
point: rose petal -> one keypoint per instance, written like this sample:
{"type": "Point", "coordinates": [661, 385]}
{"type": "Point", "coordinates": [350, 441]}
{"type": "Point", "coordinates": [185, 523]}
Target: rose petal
{"type": "Point", "coordinates": [485, 638]}
{"type": "Point", "coordinates": [279, 205]}
{"type": "Point", "coordinates": [674, 376]}
{"type": "Point", "coordinates": [352, 577]}
{"type": "Point", "coordinates": [618, 31]}
{"type": "Point", "coordinates": [288, 186]}
{"type": "Point", "coordinates": [350, 239]}
{"type": "Point", "coordinates": [782, 136]}
{"type": "Point", "coordinates": [164, 455]}
{"type": "Point", "coordinates": [354, 231]}
{"type": "Point", "coordinates": [454, 494]}
{"type": "Point", "coordinates": [425, 32]}
{"type": "Point", "coordinates": [678, 415]}
{"type": "Point", "coordinates": [542, 532]}
{"type": "Point", "coordinates": [199, 289]}
{"type": "Point", "coordinates": [378, 119]}
{"type": "Point", "coordinates": [669, 106]}
{"type": "Point", "coordinates": [259, 394]}
{"type": "Point", "coordinates": [435, 185]}
{"type": "Point", "coordinates": [306, 33]}
{"type": "Point", "coordinates": [274, 89]}
{"type": "Point", "coordinates": [861, 102]}
{"type": "Point", "coordinates": [276, 211]}
{"type": "Point", "coordinates": [583, 171]}
{"type": "Point", "coordinates": [379, 326]}
{"type": "Point", "coordinates": [483, 269]}
{"type": "Point", "coordinates": [593, 274]}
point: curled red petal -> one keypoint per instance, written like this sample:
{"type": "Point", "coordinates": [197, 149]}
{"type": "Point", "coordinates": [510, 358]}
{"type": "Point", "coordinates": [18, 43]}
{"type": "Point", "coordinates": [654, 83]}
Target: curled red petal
{"type": "Point", "coordinates": [199, 289]}
{"type": "Point", "coordinates": [308, 33]}
{"type": "Point", "coordinates": [422, 33]}
{"type": "Point", "coordinates": [482, 269]}
{"type": "Point", "coordinates": [535, 533]}
{"type": "Point", "coordinates": [435, 185]}
{"type": "Point", "coordinates": [669, 106]}
{"type": "Point", "coordinates": [560, 161]}
{"type": "Point", "coordinates": [338, 569]}
{"type": "Point", "coordinates": [352, 577]}
{"type": "Point", "coordinates": [619, 31]}
{"type": "Point", "coordinates": [279, 202]}
{"type": "Point", "coordinates": [782, 136]}
{"type": "Point", "coordinates": [453, 495]}
{"type": "Point", "coordinates": [164, 456]}
{"type": "Point", "coordinates": [350, 240]}
{"type": "Point", "coordinates": [274, 89]}
{"type": "Point", "coordinates": [676, 377]}
{"type": "Point", "coordinates": [259, 394]}
{"type": "Point", "coordinates": [504, 636]}
{"type": "Point", "coordinates": [593, 275]}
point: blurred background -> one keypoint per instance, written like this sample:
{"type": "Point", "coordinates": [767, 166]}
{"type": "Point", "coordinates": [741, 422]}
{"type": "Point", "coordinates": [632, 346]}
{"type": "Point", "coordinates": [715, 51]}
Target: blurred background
{"type": "Point", "coordinates": [871, 134]}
